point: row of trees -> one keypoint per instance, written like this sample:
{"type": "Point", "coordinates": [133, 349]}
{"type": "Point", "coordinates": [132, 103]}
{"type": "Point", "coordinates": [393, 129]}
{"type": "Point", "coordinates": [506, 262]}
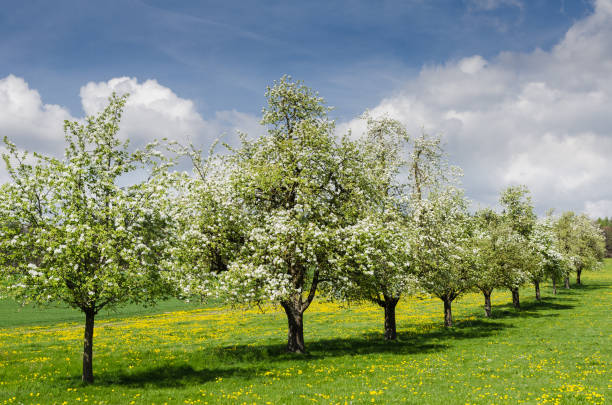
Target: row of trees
{"type": "Point", "coordinates": [284, 217]}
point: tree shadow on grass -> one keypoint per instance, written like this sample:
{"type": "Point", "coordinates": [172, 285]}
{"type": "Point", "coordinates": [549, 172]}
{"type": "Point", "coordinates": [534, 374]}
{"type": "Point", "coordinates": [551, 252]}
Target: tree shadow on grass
{"type": "Point", "coordinates": [574, 288]}
{"type": "Point", "coordinates": [172, 375]}
{"type": "Point", "coordinates": [247, 361]}
{"type": "Point", "coordinates": [531, 309]}
{"type": "Point", "coordinates": [408, 342]}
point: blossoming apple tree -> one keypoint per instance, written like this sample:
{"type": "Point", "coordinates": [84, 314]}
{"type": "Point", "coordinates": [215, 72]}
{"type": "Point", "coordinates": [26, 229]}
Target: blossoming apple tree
{"type": "Point", "coordinates": [442, 246]}
{"type": "Point", "coordinates": [373, 260]}
{"type": "Point", "coordinates": [516, 259]}
{"type": "Point", "coordinates": [210, 224]}
{"type": "Point", "coordinates": [297, 186]}
{"type": "Point", "coordinates": [486, 278]}
{"type": "Point", "coordinates": [581, 241]}
{"type": "Point", "coordinates": [71, 232]}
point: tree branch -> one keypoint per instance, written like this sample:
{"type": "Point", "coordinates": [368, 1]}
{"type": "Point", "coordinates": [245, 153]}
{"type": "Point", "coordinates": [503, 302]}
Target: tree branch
{"type": "Point", "coordinates": [313, 290]}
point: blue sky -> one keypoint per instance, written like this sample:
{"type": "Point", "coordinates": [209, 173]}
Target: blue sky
{"type": "Point", "coordinates": [520, 90]}
{"type": "Point", "coordinates": [222, 54]}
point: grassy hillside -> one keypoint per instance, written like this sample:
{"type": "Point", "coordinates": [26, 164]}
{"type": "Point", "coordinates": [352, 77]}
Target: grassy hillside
{"type": "Point", "coordinates": [557, 351]}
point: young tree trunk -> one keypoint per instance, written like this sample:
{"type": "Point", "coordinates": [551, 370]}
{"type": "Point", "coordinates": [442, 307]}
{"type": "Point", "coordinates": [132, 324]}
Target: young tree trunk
{"type": "Point", "coordinates": [554, 286]}
{"type": "Point", "coordinates": [88, 346]}
{"type": "Point", "coordinates": [295, 336]}
{"type": "Point", "coordinates": [448, 314]}
{"type": "Point", "coordinates": [567, 284]}
{"type": "Point", "coordinates": [487, 303]}
{"type": "Point", "coordinates": [515, 298]}
{"type": "Point", "coordinates": [390, 327]}
{"type": "Point", "coordinates": [578, 272]}
{"type": "Point", "coordinates": [537, 290]}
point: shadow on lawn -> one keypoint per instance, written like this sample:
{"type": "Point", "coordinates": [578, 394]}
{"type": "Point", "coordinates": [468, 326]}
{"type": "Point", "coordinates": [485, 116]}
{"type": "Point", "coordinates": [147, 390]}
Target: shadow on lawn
{"type": "Point", "coordinates": [368, 343]}
{"type": "Point", "coordinates": [172, 375]}
{"type": "Point", "coordinates": [575, 288]}
{"type": "Point", "coordinates": [531, 309]}
{"type": "Point", "coordinates": [256, 359]}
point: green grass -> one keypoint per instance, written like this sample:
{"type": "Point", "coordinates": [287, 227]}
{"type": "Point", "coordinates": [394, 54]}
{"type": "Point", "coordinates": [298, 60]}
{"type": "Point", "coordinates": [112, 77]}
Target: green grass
{"type": "Point", "coordinates": [557, 351]}
{"type": "Point", "coordinates": [15, 314]}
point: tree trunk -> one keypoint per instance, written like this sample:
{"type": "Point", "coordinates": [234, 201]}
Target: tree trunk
{"type": "Point", "coordinates": [578, 272]}
{"type": "Point", "coordinates": [487, 304]}
{"type": "Point", "coordinates": [295, 336]}
{"type": "Point", "coordinates": [390, 326]}
{"type": "Point", "coordinates": [554, 286]}
{"type": "Point", "coordinates": [448, 314]}
{"type": "Point", "coordinates": [567, 284]}
{"type": "Point", "coordinates": [515, 298]}
{"type": "Point", "coordinates": [537, 290]}
{"type": "Point", "coordinates": [88, 347]}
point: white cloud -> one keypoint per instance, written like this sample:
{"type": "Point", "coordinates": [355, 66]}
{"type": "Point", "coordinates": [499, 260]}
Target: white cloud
{"type": "Point", "coordinates": [472, 65]}
{"type": "Point", "coordinates": [542, 118]}
{"type": "Point", "coordinates": [154, 111]}
{"type": "Point", "coordinates": [25, 119]}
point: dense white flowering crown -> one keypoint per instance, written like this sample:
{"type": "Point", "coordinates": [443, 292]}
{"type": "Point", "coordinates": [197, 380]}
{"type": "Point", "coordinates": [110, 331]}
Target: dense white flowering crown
{"type": "Point", "coordinates": [71, 232]}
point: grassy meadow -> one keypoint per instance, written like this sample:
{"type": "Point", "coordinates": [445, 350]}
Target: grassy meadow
{"type": "Point", "coordinates": [558, 351]}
